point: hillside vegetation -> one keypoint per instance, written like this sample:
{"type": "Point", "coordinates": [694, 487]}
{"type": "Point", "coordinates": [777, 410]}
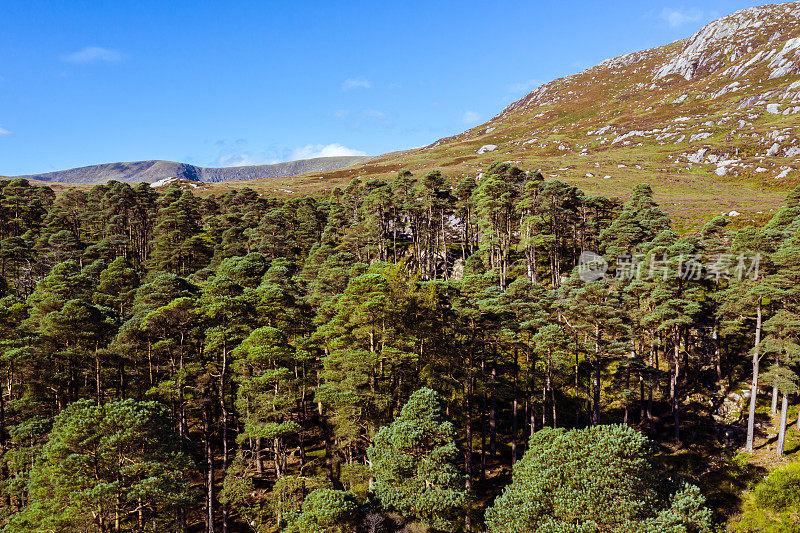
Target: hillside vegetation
{"type": "Point", "coordinates": [582, 316]}
{"type": "Point", "coordinates": [711, 122]}
{"type": "Point", "coordinates": [416, 353]}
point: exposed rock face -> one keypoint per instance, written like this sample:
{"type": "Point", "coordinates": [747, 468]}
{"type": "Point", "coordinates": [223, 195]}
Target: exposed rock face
{"type": "Point", "coordinates": [723, 104]}
{"type": "Point", "coordinates": [730, 42]}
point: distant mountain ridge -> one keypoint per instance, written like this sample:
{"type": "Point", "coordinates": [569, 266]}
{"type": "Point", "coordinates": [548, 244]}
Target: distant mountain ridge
{"type": "Point", "coordinates": [152, 171]}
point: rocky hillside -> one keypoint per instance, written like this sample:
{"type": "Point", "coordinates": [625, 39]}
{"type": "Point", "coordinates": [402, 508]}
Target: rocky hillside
{"type": "Point", "coordinates": [155, 171]}
{"type": "Point", "coordinates": [710, 121]}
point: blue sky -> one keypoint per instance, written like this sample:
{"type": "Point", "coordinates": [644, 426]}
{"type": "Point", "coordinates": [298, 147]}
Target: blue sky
{"type": "Point", "coordinates": [231, 83]}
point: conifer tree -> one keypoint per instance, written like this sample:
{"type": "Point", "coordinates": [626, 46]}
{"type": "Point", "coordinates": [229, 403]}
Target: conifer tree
{"type": "Point", "coordinates": [116, 467]}
{"type": "Point", "coordinates": [413, 461]}
{"type": "Point", "coordinates": [596, 479]}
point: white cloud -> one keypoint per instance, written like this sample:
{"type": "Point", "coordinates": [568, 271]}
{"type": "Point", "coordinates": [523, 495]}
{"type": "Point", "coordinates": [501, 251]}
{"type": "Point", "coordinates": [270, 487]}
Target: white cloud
{"type": "Point", "coordinates": [679, 17]}
{"type": "Point", "coordinates": [4, 132]}
{"type": "Point", "coordinates": [373, 113]}
{"type": "Point", "coordinates": [93, 54]}
{"type": "Point", "coordinates": [311, 151]}
{"type": "Point", "coordinates": [242, 159]}
{"type": "Point", "coordinates": [356, 83]}
{"type": "Point", "coordinates": [524, 87]}
{"type": "Point", "coordinates": [357, 119]}
{"type": "Point", "coordinates": [470, 117]}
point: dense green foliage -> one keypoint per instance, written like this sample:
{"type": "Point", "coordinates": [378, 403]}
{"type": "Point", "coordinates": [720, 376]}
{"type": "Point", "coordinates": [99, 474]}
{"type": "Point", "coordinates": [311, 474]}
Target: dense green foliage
{"type": "Point", "coordinates": [414, 463]}
{"type": "Point", "coordinates": [596, 479]}
{"type": "Point", "coordinates": [117, 465]}
{"type": "Point", "coordinates": [774, 504]}
{"type": "Point", "coordinates": [240, 363]}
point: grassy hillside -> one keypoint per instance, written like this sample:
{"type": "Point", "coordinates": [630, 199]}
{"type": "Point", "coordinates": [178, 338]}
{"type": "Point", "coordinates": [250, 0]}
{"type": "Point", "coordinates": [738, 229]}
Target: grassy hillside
{"type": "Point", "coordinates": [710, 121]}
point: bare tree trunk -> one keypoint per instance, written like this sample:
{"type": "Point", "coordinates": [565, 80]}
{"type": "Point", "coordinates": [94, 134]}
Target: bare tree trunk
{"type": "Point", "coordinates": [751, 415]}
{"type": "Point", "coordinates": [514, 427]}
{"type": "Point", "coordinates": [468, 435]}
{"type": "Point", "coordinates": [642, 405]}
{"type": "Point", "coordinates": [224, 433]}
{"type": "Point", "coordinates": [210, 473]}
{"type": "Point", "coordinates": [483, 423]}
{"type": "Point", "coordinates": [773, 409]}
{"type": "Point", "coordinates": [577, 393]}
{"type": "Point", "coordinates": [596, 378]}
{"type": "Point", "coordinates": [532, 402]}
{"type": "Point", "coordinates": [717, 352]}
{"type": "Point", "coordinates": [493, 414]}
{"type": "Point", "coordinates": [782, 428]}
{"type": "Point", "coordinates": [650, 389]}
{"type": "Point", "coordinates": [553, 404]}
{"type": "Point", "coordinates": [259, 458]}
{"type": "Point", "coordinates": [674, 388]}
{"type": "Point", "coordinates": [97, 376]}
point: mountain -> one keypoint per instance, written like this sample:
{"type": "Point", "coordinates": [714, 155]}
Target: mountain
{"type": "Point", "coordinates": [153, 171]}
{"type": "Point", "coordinates": [711, 122]}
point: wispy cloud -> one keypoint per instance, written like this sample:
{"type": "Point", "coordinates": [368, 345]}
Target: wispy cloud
{"type": "Point", "coordinates": [93, 54]}
{"type": "Point", "coordinates": [470, 117]}
{"type": "Point", "coordinates": [311, 151]}
{"type": "Point", "coordinates": [4, 132]}
{"type": "Point", "coordinates": [242, 159]}
{"type": "Point", "coordinates": [373, 113]}
{"type": "Point", "coordinates": [523, 87]}
{"type": "Point", "coordinates": [515, 91]}
{"type": "Point", "coordinates": [356, 83]}
{"type": "Point", "coordinates": [676, 18]}
{"type": "Point", "coordinates": [357, 119]}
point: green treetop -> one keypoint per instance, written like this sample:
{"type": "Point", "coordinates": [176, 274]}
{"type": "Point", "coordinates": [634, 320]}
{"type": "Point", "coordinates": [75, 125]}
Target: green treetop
{"type": "Point", "coordinates": [414, 459]}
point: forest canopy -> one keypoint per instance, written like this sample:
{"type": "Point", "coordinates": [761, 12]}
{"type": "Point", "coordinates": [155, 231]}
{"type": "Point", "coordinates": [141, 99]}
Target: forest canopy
{"type": "Point", "coordinates": [452, 353]}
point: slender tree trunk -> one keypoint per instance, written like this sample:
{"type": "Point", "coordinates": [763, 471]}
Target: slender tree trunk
{"type": "Point", "coordinates": [514, 427]}
{"type": "Point", "coordinates": [773, 409]}
{"type": "Point", "coordinates": [468, 437]}
{"type": "Point", "coordinates": [782, 429]}
{"type": "Point", "coordinates": [545, 385]}
{"type": "Point", "coordinates": [650, 389]}
{"type": "Point", "coordinates": [493, 414]}
{"type": "Point", "coordinates": [596, 394]}
{"type": "Point", "coordinates": [209, 473]}
{"type": "Point", "coordinates": [224, 432]}
{"type": "Point", "coordinates": [259, 457]}
{"type": "Point", "coordinates": [577, 392]}
{"type": "Point", "coordinates": [116, 514]}
{"type": "Point", "coordinates": [674, 388]}
{"type": "Point", "coordinates": [642, 403]}
{"type": "Point", "coordinates": [97, 376]}
{"type": "Point", "coordinates": [751, 415]}
{"type": "Point", "coordinates": [278, 459]}
{"type": "Point", "coordinates": [627, 389]}
{"type": "Point", "coordinates": [532, 409]}
{"type": "Point", "coordinates": [717, 352]}
{"type": "Point", "coordinates": [484, 423]}
{"type": "Point", "coordinates": [553, 404]}
{"type": "Point", "coordinates": [596, 378]}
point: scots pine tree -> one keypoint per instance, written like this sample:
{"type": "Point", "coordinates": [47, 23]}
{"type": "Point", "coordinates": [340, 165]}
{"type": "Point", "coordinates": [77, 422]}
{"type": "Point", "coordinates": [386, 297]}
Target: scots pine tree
{"type": "Point", "coordinates": [413, 461]}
